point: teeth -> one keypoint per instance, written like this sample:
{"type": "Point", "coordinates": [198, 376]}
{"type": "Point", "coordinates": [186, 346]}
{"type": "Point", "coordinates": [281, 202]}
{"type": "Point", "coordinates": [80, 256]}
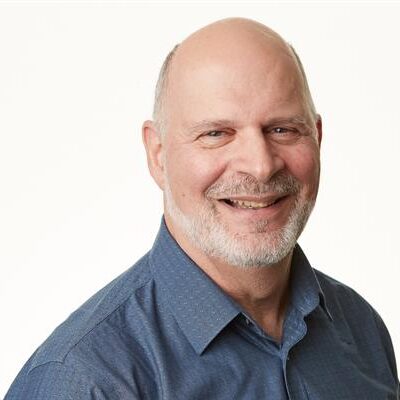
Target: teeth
{"type": "Point", "coordinates": [250, 204]}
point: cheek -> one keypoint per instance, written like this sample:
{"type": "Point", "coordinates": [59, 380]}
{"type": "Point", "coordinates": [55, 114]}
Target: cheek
{"type": "Point", "coordinates": [191, 173]}
{"type": "Point", "coordinates": [305, 166]}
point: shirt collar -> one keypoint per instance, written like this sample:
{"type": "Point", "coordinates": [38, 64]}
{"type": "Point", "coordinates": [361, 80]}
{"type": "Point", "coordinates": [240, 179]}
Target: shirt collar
{"type": "Point", "coordinates": [306, 292]}
{"type": "Point", "coordinates": [200, 307]}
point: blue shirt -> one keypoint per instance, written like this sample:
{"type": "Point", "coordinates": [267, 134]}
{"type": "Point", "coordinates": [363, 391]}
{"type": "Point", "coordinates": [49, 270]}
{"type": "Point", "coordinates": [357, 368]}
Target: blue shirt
{"type": "Point", "coordinates": [164, 330]}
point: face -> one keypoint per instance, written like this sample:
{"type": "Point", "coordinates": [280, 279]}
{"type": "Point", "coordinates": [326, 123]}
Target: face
{"type": "Point", "coordinates": [240, 160]}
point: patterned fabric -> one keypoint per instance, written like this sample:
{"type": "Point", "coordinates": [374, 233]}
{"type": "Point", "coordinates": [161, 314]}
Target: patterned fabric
{"type": "Point", "coordinates": [164, 330]}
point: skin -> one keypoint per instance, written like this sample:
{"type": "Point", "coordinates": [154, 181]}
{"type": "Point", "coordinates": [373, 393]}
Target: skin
{"type": "Point", "coordinates": [242, 79]}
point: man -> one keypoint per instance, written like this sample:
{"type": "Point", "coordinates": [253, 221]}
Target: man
{"type": "Point", "coordinates": [225, 305]}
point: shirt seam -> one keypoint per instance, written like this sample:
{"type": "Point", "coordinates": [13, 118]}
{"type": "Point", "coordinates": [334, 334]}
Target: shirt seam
{"type": "Point", "coordinates": [63, 361]}
{"type": "Point", "coordinates": [82, 378]}
{"type": "Point", "coordinates": [105, 318]}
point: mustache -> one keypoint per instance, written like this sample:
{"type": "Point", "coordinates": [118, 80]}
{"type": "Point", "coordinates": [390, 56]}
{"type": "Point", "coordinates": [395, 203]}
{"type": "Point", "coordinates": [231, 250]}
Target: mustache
{"type": "Point", "coordinates": [248, 185]}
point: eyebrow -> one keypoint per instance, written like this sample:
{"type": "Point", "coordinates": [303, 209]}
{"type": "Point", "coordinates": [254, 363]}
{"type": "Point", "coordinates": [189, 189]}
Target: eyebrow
{"type": "Point", "coordinates": [207, 124]}
{"type": "Point", "coordinates": [297, 120]}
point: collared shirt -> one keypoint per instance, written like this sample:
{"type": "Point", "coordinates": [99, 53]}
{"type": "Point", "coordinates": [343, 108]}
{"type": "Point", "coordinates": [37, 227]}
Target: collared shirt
{"type": "Point", "coordinates": [164, 330]}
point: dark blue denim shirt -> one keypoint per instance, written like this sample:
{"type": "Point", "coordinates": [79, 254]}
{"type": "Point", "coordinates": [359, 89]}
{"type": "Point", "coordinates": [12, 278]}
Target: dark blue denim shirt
{"type": "Point", "coordinates": [164, 330]}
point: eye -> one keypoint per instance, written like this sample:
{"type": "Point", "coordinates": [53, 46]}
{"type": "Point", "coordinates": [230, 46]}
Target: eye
{"type": "Point", "coordinates": [280, 130]}
{"type": "Point", "coordinates": [283, 134]}
{"type": "Point", "coordinates": [215, 134]}
{"type": "Point", "coordinates": [216, 138]}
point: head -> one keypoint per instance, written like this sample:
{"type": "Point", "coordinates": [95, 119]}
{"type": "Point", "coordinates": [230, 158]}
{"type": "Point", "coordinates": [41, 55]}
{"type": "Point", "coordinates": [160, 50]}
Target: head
{"type": "Point", "coordinates": [235, 144]}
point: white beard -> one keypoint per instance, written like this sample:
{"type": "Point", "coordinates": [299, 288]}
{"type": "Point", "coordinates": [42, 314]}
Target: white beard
{"type": "Point", "coordinates": [261, 248]}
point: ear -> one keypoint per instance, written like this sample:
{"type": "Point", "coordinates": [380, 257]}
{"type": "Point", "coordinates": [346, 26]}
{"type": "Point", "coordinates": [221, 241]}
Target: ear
{"type": "Point", "coordinates": [154, 150]}
{"type": "Point", "coordinates": [318, 125]}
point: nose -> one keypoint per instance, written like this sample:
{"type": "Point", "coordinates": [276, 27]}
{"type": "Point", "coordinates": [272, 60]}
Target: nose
{"type": "Point", "coordinates": [257, 156]}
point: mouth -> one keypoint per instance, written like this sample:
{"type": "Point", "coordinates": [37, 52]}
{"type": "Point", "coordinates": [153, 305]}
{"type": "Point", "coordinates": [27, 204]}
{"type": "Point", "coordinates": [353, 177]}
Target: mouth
{"type": "Point", "coordinates": [252, 204]}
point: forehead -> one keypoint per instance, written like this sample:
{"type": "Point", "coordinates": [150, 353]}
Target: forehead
{"type": "Point", "coordinates": [241, 81]}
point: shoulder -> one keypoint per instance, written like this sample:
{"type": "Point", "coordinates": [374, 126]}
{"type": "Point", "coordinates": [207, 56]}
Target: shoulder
{"type": "Point", "coordinates": [338, 292]}
{"type": "Point", "coordinates": [76, 354]}
{"type": "Point", "coordinates": [344, 302]}
{"type": "Point", "coordinates": [356, 321]}
{"type": "Point", "coordinates": [91, 318]}
{"type": "Point", "coordinates": [342, 299]}
{"type": "Point", "coordinates": [55, 380]}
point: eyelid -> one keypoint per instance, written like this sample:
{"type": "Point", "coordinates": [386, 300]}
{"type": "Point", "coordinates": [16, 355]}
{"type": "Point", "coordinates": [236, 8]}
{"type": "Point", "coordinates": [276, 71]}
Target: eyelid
{"type": "Point", "coordinates": [216, 133]}
{"type": "Point", "coordinates": [285, 129]}
{"type": "Point", "coordinates": [215, 137]}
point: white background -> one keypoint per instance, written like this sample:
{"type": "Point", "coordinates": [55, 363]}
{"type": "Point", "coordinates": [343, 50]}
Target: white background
{"type": "Point", "coordinates": [78, 205]}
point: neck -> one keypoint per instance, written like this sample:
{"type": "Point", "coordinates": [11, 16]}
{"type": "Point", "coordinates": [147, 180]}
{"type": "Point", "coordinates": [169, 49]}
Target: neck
{"type": "Point", "coordinates": [262, 292]}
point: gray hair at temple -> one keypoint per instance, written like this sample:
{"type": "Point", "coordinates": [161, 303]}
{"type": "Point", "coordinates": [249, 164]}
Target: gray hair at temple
{"type": "Point", "coordinates": [161, 88]}
{"type": "Point", "coordinates": [162, 84]}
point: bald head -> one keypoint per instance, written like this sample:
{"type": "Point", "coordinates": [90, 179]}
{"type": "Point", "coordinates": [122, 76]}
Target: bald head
{"type": "Point", "coordinates": [234, 42]}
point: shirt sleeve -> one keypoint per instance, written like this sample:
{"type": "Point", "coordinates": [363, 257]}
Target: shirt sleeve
{"type": "Point", "coordinates": [55, 381]}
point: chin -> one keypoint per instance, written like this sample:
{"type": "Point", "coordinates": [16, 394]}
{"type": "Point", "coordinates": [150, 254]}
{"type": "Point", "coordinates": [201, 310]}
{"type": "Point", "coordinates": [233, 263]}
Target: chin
{"type": "Point", "coordinates": [265, 246]}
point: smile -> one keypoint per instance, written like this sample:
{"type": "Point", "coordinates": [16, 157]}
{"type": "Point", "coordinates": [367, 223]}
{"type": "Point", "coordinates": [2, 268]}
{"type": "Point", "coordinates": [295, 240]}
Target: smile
{"type": "Point", "coordinates": [253, 205]}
